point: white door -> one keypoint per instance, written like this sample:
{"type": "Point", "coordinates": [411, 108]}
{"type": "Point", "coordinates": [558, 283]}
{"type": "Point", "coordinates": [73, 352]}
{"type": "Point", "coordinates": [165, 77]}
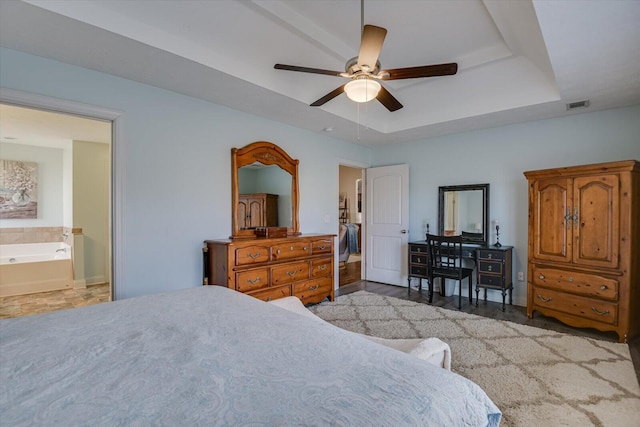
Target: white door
{"type": "Point", "coordinates": [387, 232]}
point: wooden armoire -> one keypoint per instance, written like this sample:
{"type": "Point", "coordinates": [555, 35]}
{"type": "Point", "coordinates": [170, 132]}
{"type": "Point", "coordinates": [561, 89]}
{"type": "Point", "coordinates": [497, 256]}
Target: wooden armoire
{"type": "Point", "coordinates": [584, 246]}
{"type": "Point", "coordinates": [257, 210]}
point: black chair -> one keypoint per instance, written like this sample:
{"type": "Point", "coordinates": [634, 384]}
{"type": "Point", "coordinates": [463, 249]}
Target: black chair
{"type": "Point", "coordinates": [445, 262]}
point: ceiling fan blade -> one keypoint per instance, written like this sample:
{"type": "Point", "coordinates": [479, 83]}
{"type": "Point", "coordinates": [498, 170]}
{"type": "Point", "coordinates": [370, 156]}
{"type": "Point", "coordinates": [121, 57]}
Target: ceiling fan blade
{"type": "Point", "coordinates": [370, 46]}
{"type": "Point", "coordinates": [388, 100]}
{"type": "Point", "coordinates": [328, 97]}
{"type": "Point", "coordinates": [422, 71]}
{"type": "Point", "coordinates": [307, 70]}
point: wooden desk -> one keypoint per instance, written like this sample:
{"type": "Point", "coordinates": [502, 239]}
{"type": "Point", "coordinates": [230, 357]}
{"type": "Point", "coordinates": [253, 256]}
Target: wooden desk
{"type": "Point", "coordinates": [493, 266]}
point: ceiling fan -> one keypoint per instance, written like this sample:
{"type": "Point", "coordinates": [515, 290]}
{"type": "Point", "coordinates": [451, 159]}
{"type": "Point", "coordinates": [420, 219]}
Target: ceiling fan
{"type": "Point", "coordinates": [364, 71]}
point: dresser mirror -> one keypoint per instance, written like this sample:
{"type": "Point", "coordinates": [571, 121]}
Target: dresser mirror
{"type": "Point", "coordinates": [262, 169]}
{"type": "Point", "coordinates": [463, 210]}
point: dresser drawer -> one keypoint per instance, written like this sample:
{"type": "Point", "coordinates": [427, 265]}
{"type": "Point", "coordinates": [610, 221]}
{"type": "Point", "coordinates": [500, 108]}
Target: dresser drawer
{"type": "Point", "coordinates": [272, 293]}
{"type": "Point", "coordinates": [324, 246]}
{"type": "Point", "coordinates": [252, 280]}
{"type": "Point", "coordinates": [321, 267]}
{"type": "Point", "coordinates": [490, 267]}
{"type": "Point", "coordinates": [591, 285]}
{"type": "Point", "coordinates": [289, 273]}
{"type": "Point", "coordinates": [313, 290]}
{"type": "Point", "coordinates": [252, 255]}
{"type": "Point", "coordinates": [290, 250]}
{"type": "Point", "coordinates": [588, 308]}
{"type": "Point", "coordinates": [418, 248]}
{"type": "Point", "coordinates": [488, 254]}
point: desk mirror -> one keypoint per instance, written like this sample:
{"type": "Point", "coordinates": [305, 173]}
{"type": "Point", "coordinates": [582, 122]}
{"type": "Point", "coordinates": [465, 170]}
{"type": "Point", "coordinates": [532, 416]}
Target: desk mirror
{"type": "Point", "coordinates": [464, 210]}
{"type": "Point", "coordinates": [264, 185]}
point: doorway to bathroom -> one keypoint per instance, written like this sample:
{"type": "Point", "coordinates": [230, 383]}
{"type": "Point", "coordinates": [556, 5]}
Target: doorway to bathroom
{"type": "Point", "coordinates": [73, 156]}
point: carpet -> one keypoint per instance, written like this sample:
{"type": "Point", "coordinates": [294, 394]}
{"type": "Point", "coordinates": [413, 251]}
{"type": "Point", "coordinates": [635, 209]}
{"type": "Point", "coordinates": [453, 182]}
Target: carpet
{"type": "Point", "coordinates": [535, 376]}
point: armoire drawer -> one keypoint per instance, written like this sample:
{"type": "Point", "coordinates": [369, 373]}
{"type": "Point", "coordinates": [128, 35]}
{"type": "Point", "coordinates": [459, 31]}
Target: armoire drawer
{"type": "Point", "coordinates": [589, 308]}
{"type": "Point", "coordinates": [289, 273]}
{"type": "Point", "coordinates": [252, 280]}
{"type": "Point", "coordinates": [590, 285]}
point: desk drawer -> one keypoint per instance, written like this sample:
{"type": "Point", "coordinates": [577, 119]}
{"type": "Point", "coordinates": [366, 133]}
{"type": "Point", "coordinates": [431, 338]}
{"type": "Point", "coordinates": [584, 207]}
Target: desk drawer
{"type": "Point", "coordinates": [490, 267]}
{"type": "Point", "coordinates": [422, 259]}
{"type": "Point", "coordinates": [489, 254]}
{"type": "Point", "coordinates": [490, 280]}
{"type": "Point", "coordinates": [418, 271]}
{"type": "Point", "coordinates": [418, 248]}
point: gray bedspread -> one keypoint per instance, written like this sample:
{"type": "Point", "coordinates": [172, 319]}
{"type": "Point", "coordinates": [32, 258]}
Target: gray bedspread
{"type": "Point", "coordinates": [212, 356]}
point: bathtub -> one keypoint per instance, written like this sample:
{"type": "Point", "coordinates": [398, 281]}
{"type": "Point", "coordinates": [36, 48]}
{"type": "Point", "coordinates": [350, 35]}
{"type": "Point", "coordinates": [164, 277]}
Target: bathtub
{"type": "Point", "coordinates": [35, 267]}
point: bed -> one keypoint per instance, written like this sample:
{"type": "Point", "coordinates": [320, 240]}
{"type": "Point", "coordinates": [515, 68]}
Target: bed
{"type": "Point", "coordinates": [212, 356]}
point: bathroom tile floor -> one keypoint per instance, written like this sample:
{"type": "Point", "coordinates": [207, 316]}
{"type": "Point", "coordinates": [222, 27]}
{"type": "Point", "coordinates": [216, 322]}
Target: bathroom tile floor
{"type": "Point", "coordinates": [45, 302]}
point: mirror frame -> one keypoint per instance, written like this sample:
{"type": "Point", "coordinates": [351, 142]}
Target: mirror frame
{"type": "Point", "coordinates": [485, 209]}
{"type": "Point", "coordinates": [266, 153]}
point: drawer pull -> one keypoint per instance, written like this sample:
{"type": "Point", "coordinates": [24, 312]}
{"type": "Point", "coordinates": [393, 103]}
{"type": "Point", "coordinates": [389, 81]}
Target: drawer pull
{"type": "Point", "coordinates": [490, 255]}
{"type": "Point", "coordinates": [278, 251]}
{"type": "Point", "coordinates": [603, 287]}
{"type": "Point", "coordinates": [254, 256]}
{"type": "Point", "coordinates": [419, 260]}
{"type": "Point", "coordinates": [268, 299]}
{"type": "Point", "coordinates": [599, 313]}
{"type": "Point", "coordinates": [544, 299]}
{"type": "Point", "coordinates": [541, 277]}
{"type": "Point", "coordinates": [313, 288]}
{"type": "Point", "coordinates": [292, 273]}
{"type": "Point", "coordinates": [490, 268]}
{"type": "Point", "coordinates": [304, 249]}
{"type": "Point", "coordinates": [253, 281]}
{"type": "Point", "coordinates": [323, 247]}
{"type": "Point", "coordinates": [291, 248]}
{"type": "Point", "coordinates": [322, 267]}
{"type": "Point", "coordinates": [571, 278]}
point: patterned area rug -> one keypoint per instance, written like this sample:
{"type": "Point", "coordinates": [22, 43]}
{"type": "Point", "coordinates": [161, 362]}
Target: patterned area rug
{"type": "Point", "coordinates": [535, 376]}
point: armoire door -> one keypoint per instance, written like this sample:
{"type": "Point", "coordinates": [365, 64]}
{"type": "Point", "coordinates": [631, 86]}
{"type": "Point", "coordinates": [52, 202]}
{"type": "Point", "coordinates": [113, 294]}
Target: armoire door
{"type": "Point", "coordinates": [256, 212]}
{"type": "Point", "coordinates": [596, 216]}
{"type": "Point", "coordinates": [551, 222]}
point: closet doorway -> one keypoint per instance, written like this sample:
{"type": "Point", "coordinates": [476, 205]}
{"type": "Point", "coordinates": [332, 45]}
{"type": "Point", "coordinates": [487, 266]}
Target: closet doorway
{"type": "Point", "coordinates": [350, 224]}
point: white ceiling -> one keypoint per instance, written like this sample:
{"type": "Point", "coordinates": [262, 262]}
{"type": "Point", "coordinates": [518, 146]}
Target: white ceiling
{"type": "Point", "coordinates": [518, 60]}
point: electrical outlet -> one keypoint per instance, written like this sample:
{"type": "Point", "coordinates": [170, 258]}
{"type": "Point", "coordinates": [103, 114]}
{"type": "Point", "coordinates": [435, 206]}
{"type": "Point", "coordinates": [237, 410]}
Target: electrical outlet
{"type": "Point", "coordinates": [520, 276]}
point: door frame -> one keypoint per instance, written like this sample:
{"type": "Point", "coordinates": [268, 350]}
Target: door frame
{"type": "Point", "coordinates": [57, 105]}
{"type": "Point", "coordinates": [363, 225]}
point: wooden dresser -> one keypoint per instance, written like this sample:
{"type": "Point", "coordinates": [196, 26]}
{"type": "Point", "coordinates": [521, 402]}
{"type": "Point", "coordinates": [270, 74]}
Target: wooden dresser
{"type": "Point", "coordinates": [271, 268]}
{"type": "Point", "coordinates": [584, 246]}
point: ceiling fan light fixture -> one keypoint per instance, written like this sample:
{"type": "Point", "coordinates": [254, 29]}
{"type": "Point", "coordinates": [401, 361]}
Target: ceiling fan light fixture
{"type": "Point", "coordinates": [362, 90]}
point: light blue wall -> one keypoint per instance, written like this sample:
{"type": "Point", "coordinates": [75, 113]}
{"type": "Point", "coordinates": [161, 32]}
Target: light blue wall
{"type": "Point", "coordinates": [178, 159]}
{"type": "Point", "coordinates": [499, 156]}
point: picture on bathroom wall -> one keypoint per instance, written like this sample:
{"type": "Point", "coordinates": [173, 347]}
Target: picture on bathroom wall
{"type": "Point", "coordinates": [18, 189]}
